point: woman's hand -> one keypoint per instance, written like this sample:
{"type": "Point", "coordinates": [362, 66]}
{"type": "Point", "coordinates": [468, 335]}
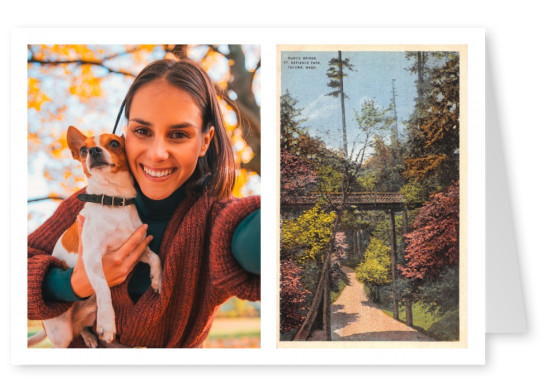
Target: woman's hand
{"type": "Point", "coordinates": [117, 264]}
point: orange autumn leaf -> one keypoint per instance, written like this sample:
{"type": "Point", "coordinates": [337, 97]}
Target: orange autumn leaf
{"type": "Point", "coordinates": [35, 96]}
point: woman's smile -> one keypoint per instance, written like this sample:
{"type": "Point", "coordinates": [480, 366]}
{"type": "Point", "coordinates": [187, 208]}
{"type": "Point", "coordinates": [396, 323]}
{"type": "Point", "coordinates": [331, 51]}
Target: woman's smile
{"type": "Point", "coordinates": [157, 174]}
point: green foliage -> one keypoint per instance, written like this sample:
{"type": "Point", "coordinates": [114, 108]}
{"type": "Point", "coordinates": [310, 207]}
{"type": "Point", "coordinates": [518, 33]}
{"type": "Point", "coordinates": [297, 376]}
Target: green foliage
{"type": "Point", "coordinates": [447, 328]}
{"type": "Point", "coordinates": [290, 121]}
{"type": "Point", "coordinates": [306, 237]}
{"type": "Point", "coordinates": [336, 66]}
{"type": "Point", "coordinates": [441, 294]}
{"type": "Point", "coordinates": [382, 229]}
{"type": "Point", "coordinates": [433, 143]}
{"type": "Point", "coordinates": [336, 292]}
{"type": "Point", "coordinates": [422, 319]}
{"type": "Point", "coordinates": [367, 181]}
{"type": "Point", "coordinates": [375, 270]}
{"type": "Point", "coordinates": [371, 119]}
{"type": "Point", "coordinates": [415, 194]}
{"type": "Point", "coordinates": [329, 179]}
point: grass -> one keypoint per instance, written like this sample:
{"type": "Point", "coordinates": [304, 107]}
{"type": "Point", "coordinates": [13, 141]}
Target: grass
{"type": "Point", "coordinates": [335, 295]}
{"type": "Point", "coordinates": [421, 318]}
{"type": "Point", "coordinates": [441, 328]}
{"type": "Point", "coordinates": [225, 333]}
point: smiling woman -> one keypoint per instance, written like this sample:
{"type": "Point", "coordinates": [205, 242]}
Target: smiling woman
{"type": "Point", "coordinates": [181, 158]}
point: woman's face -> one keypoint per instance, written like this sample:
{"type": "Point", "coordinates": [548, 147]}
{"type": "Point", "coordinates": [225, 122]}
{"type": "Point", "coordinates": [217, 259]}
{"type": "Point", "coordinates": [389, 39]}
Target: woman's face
{"type": "Point", "coordinates": [164, 139]}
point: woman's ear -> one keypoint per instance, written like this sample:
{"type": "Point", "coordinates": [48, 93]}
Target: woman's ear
{"type": "Point", "coordinates": [205, 140]}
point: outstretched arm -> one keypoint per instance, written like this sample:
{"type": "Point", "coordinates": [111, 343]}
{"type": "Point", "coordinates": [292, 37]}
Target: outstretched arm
{"type": "Point", "coordinates": [246, 243]}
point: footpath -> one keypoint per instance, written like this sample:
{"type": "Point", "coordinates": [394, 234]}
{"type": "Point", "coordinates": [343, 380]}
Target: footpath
{"type": "Point", "coordinates": [354, 317]}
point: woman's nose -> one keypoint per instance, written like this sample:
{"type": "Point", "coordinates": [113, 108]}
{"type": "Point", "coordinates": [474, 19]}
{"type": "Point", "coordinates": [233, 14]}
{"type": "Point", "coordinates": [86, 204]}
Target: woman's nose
{"type": "Point", "coordinates": [158, 151]}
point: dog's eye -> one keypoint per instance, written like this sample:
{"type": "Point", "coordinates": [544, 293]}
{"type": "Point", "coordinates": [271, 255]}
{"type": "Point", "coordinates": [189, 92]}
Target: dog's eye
{"type": "Point", "coordinates": [114, 144]}
{"type": "Point", "coordinates": [83, 151]}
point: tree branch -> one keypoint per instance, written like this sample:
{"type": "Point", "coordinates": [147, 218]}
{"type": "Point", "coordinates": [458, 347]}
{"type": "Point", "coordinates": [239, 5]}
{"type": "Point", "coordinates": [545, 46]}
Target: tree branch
{"type": "Point", "coordinates": [45, 198]}
{"type": "Point", "coordinates": [80, 62]}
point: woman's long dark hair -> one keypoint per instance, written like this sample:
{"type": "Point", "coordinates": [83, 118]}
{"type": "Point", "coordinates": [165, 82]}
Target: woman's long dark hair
{"type": "Point", "coordinates": [216, 169]}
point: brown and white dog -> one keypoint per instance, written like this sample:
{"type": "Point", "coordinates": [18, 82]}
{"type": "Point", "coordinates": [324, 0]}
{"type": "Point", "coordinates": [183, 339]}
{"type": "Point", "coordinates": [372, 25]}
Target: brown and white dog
{"type": "Point", "coordinates": [110, 217]}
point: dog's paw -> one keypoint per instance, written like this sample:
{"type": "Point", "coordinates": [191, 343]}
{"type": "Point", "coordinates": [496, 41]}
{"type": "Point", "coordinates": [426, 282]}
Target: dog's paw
{"type": "Point", "coordinates": [156, 271]}
{"type": "Point", "coordinates": [89, 338]}
{"type": "Point", "coordinates": [156, 282]}
{"type": "Point", "coordinates": [106, 326]}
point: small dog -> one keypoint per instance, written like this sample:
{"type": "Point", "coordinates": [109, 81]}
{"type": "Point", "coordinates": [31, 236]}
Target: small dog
{"type": "Point", "coordinates": [110, 218]}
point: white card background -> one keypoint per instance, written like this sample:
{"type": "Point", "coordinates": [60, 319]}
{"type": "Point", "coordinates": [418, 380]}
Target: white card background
{"type": "Point", "coordinates": [516, 38]}
{"type": "Point", "coordinates": [268, 354]}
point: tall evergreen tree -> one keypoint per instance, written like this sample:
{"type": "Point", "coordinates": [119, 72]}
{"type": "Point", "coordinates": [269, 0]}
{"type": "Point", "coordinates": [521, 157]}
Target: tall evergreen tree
{"type": "Point", "coordinates": [291, 123]}
{"type": "Point", "coordinates": [336, 77]}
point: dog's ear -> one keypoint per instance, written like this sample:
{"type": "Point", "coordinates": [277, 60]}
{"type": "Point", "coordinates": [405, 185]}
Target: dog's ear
{"type": "Point", "coordinates": [75, 140]}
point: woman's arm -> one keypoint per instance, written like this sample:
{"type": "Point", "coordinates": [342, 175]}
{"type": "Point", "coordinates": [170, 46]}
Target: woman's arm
{"type": "Point", "coordinates": [40, 245]}
{"type": "Point", "coordinates": [227, 274]}
{"type": "Point", "coordinates": [245, 243]}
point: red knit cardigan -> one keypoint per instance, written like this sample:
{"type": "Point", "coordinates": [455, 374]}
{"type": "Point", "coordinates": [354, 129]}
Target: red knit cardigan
{"type": "Point", "coordinates": [199, 274]}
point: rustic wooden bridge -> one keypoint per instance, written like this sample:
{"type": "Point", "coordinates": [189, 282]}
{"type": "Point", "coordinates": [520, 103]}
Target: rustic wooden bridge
{"type": "Point", "coordinates": [391, 203]}
{"type": "Point", "coordinates": [364, 201]}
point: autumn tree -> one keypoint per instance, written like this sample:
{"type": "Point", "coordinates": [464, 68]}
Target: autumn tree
{"type": "Point", "coordinates": [375, 271]}
{"type": "Point", "coordinates": [306, 238]}
{"type": "Point", "coordinates": [433, 146]}
{"type": "Point", "coordinates": [297, 177]}
{"type": "Point", "coordinates": [433, 242]}
{"type": "Point", "coordinates": [84, 85]}
{"type": "Point", "coordinates": [292, 296]}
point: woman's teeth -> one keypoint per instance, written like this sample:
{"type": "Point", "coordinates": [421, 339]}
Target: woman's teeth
{"type": "Point", "coordinates": [158, 174]}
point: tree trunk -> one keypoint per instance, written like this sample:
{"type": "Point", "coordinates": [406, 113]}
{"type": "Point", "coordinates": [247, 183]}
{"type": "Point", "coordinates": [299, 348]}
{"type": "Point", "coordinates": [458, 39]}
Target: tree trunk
{"type": "Point", "coordinates": [345, 142]}
{"type": "Point", "coordinates": [241, 83]}
{"type": "Point", "coordinates": [404, 232]}
{"type": "Point", "coordinates": [409, 313]}
{"type": "Point", "coordinates": [327, 307]}
{"type": "Point", "coordinates": [393, 263]}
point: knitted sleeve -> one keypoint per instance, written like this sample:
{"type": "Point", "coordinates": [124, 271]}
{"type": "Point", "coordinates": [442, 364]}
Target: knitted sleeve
{"type": "Point", "coordinates": [40, 245]}
{"type": "Point", "coordinates": [227, 274]}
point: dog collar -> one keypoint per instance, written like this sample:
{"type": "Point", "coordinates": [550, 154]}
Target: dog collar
{"type": "Point", "coordinates": [106, 200]}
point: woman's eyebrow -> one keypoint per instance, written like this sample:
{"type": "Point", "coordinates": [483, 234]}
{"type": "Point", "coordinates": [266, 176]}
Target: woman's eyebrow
{"type": "Point", "coordinates": [141, 121]}
{"type": "Point", "coordinates": [183, 125]}
{"type": "Point", "coordinates": [175, 126]}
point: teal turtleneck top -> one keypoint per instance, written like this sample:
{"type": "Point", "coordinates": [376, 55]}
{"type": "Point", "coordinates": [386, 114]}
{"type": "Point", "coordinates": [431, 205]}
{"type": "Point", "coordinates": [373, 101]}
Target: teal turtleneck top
{"type": "Point", "coordinates": [156, 214]}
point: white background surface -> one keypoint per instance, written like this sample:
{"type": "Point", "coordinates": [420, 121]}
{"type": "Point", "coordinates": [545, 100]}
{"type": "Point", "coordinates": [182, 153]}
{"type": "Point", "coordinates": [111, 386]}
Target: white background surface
{"type": "Point", "coordinates": [517, 36]}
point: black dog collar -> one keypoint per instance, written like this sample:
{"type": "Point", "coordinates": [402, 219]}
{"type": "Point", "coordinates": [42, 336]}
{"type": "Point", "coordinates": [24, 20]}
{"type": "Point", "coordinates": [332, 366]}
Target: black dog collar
{"type": "Point", "coordinates": [106, 200]}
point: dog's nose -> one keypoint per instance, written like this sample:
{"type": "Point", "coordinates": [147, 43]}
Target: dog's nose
{"type": "Point", "coordinates": [95, 151]}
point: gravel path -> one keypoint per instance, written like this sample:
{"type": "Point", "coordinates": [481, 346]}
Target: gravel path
{"type": "Point", "coordinates": [354, 317]}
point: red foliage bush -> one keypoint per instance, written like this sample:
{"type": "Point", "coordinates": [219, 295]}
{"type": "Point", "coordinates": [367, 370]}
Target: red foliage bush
{"type": "Point", "coordinates": [434, 241]}
{"type": "Point", "coordinates": [292, 297]}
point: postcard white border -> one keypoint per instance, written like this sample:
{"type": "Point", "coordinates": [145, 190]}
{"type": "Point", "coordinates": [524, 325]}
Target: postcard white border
{"type": "Point", "coordinates": [268, 38]}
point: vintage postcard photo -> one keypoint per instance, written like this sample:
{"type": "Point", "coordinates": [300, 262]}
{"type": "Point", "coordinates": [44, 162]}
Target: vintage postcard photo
{"type": "Point", "coordinates": [371, 195]}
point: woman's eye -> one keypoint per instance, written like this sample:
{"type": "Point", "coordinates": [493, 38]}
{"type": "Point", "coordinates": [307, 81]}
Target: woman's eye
{"type": "Point", "coordinates": [141, 132]}
{"type": "Point", "coordinates": [83, 151]}
{"type": "Point", "coordinates": [114, 144]}
{"type": "Point", "coordinates": [179, 135]}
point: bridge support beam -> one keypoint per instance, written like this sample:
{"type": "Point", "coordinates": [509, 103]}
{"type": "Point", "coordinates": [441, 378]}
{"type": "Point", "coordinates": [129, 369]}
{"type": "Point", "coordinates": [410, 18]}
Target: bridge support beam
{"type": "Point", "coordinates": [393, 259]}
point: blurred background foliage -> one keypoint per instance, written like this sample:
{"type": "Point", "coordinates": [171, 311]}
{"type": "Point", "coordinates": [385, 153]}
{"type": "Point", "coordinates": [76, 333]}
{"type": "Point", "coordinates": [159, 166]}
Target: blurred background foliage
{"type": "Point", "coordinates": [84, 86]}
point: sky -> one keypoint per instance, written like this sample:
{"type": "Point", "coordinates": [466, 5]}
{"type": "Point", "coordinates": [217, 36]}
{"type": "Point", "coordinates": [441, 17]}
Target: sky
{"type": "Point", "coordinates": [303, 75]}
